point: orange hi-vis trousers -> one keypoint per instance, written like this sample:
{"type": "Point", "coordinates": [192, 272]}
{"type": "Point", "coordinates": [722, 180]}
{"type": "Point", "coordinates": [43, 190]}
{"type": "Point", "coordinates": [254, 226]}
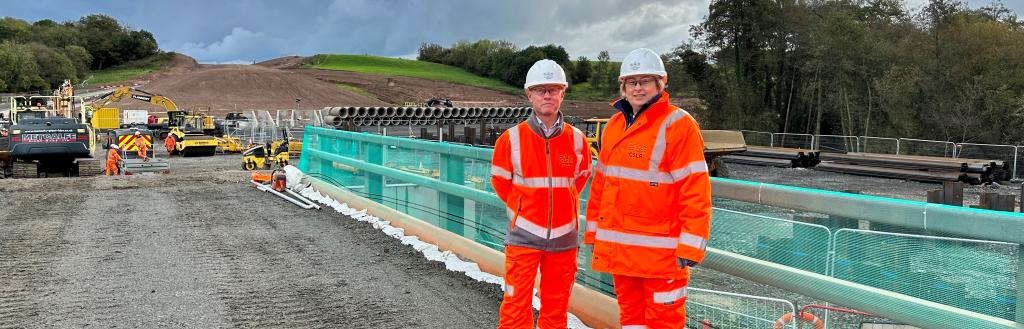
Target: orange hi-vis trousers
{"type": "Point", "coordinates": [557, 275]}
{"type": "Point", "coordinates": [651, 303]}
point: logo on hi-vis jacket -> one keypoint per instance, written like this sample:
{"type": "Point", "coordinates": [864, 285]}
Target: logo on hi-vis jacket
{"type": "Point", "coordinates": [565, 160]}
{"type": "Point", "coordinates": [637, 151]}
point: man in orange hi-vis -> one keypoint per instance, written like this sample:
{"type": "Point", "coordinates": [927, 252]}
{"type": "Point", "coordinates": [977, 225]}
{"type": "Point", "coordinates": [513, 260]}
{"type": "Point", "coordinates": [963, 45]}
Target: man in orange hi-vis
{"type": "Point", "coordinates": [169, 143]}
{"type": "Point", "coordinates": [538, 168]}
{"type": "Point", "coordinates": [649, 211]}
{"type": "Point", "coordinates": [143, 145]}
{"type": "Point", "coordinates": [112, 158]}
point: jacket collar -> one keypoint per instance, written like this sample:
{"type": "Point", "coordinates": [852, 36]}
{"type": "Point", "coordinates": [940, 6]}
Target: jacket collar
{"type": "Point", "coordinates": [657, 102]}
{"type": "Point", "coordinates": [534, 123]}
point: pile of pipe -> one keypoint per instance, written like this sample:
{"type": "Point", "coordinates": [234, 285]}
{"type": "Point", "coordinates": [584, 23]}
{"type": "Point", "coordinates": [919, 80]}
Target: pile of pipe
{"type": "Point", "coordinates": [421, 116]}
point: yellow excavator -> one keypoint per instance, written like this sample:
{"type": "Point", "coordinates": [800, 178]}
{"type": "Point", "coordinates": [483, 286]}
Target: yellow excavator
{"type": "Point", "coordinates": [187, 129]}
{"type": "Point", "coordinates": [716, 143]}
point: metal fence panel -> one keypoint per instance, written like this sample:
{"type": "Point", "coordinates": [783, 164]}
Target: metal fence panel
{"type": "Point", "coordinates": [974, 275]}
{"type": "Point", "coordinates": [910, 146]}
{"type": "Point", "coordinates": [718, 309]}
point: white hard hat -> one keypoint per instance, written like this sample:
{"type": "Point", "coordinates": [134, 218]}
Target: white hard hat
{"type": "Point", "coordinates": [545, 72]}
{"type": "Point", "coordinates": [642, 61]}
{"type": "Point", "coordinates": [138, 133]}
{"type": "Point", "coordinates": [114, 146]}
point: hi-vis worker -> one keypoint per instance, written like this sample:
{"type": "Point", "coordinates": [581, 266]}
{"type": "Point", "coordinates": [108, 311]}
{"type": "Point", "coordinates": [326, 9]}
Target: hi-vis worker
{"type": "Point", "coordinates": [538, 169]}
{"type": "Point", "coordinates": [113, 157]}
{"type": "Point", "coordinates": [142, 145]}
{"type": "Point", "coordinates": [649, 210]}
{"type": "Point", "coordinates": [169, 143]}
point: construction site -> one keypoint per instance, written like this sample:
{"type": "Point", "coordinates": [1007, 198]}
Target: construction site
{"type": "Point", "coordinates": [265, 195]}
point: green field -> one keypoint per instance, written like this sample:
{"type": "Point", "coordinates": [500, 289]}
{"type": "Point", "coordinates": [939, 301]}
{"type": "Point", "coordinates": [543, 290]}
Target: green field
{"type": "Point", "coordinates": [408, 68]}
{"type": "Point", "coordinates": [129, 70]}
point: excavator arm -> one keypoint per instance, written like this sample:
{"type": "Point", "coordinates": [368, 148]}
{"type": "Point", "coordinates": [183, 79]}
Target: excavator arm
{"type": "Point", "coordinates": [121, 92]}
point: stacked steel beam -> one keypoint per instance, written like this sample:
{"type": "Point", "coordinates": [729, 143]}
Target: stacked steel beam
{"type": "Point", "coordinates": [775, 157]}
{"type": "Point", "coordinates": [420, 116]}
{"type": "Point", "coordinates": [917, 168]}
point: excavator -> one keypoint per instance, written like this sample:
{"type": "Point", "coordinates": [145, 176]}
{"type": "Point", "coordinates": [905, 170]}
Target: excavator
{"type": "Point", "coordinates": [187, 129]}
{"type": "Point", "coordinates": [716, 143]}
{"type": "Point", "coordinates": [46, 136]}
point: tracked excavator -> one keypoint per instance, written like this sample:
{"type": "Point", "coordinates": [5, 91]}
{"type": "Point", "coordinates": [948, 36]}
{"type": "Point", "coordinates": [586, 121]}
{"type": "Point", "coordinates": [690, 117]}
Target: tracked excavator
{"type": "Point", "coordinates": [188, 129]}
{"type": "Point", "coordinates": [43, 136]}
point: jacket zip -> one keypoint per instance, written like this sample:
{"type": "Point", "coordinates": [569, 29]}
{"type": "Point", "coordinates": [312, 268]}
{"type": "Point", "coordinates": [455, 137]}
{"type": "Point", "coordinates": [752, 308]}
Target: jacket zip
{"type": "Point", "coordinates": [551, 196]}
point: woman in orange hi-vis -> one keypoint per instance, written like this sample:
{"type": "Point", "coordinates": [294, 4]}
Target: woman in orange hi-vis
{"type": "Point", "coordinates": [649, 210]}
{"type": "Point", "coordinates": [538, 168]}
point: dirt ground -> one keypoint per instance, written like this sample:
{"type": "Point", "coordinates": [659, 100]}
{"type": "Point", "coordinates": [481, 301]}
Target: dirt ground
{"type": "Point", "coordinates": [201, 248]}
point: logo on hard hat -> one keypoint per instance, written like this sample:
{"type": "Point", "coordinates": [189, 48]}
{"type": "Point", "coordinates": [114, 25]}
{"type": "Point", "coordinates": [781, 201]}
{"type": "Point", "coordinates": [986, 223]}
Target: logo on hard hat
{"type": "Point", "coordinates": [634, 66]}
{"type": "Point", "coordinates": [549, 75]}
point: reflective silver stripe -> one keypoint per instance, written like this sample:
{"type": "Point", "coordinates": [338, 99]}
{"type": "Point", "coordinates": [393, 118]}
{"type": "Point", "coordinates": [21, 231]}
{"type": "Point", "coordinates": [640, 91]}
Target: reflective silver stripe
{"type": "Point", "coordinates": [669, 297]}
{"type": "Point", "coordinates": [637, 326]}
{"type": "Point", "coordinates": [638, 174]}
{"type": "Point", "coordinates": [599, 167]}
{"type": "Point", "coordinates": [500, 172]}
{"type": "Point", "coordinates": [510, 289]}
{"type": "Point", "coordinates": [637, 240]}
{"type": "Point", "coordinates": [564, 229]}
{"type": "Point", "coordinates": [658, 150]}
{"type": "Point", "coordinates": [691, 240]}
{"type": "Point", "coordinates": [513, 136]}
{"type": "Point", "coordinates": [529, 226]}
{"type": "Point", "coordinates": [591, 226]}
{"type": "Point", "coordinates": [692, 168]}
{"type": "Point", "coordinates": [542, 182]}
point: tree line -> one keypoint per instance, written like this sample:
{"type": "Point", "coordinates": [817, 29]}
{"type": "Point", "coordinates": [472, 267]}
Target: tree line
{"type": "Point", "coordinates": [860, 67]}
{"type": "Point", "coordinates": [38, 56]}
{"type": "Point", "coordinates": [503, 61]}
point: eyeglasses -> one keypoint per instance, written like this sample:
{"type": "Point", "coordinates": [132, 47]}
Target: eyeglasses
{"type": "Point", "coordinates": [644, 82]}
{"type": "Point", "coordinates": [542, 91]}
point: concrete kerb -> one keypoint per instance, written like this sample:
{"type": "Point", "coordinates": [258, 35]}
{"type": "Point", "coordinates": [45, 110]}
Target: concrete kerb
{"type": "Point", "coordinates": [592, 307]}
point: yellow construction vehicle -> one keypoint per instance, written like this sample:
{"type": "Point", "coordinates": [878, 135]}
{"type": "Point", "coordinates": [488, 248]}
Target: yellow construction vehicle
{"type": "Point", "coordinates": [188, 129]}
{"type": "Point", "coordinates": [263, 156]}
{"type": "Point", "coordinates": [229, 144]}
{"type": "Point", "coordinates": [716, 143]}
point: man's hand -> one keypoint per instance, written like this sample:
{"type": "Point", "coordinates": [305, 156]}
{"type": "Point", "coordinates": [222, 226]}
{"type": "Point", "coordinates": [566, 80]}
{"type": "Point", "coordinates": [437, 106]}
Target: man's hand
{"type": "Point", "coordinates": [684, 263]}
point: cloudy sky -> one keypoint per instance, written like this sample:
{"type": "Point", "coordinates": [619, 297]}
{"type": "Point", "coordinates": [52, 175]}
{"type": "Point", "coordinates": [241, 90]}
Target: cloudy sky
{"type": "Point", "coordinates": [243, 31]}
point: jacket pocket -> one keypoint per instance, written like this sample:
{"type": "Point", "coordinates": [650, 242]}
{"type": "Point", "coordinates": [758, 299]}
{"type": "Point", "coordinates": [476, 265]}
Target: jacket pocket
{"type": "Point", "coordinates": [646, 224]}
{"type": "Point", "coordinates": [516, 206]}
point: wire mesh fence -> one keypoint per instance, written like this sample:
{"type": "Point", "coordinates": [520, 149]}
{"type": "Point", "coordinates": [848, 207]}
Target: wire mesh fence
{"type": "Point", "coordinates": [719, 309]}
{"type": "Point", "coordinates": [796, 141]}
{"type": "Point", "coordinates": [974, 275]}
{"type": "Point", "coordinates": [836, 143]}
{"type": "Point", "coordinates": [910, 146]}
{"type": "Point", "coordinates": [791, 243]}
{"type": "Point", "coordinates": [879, 145]}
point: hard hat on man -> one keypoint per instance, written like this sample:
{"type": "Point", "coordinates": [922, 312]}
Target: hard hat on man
{"type": "Point", "coordinates": [114, 146]}
{"type": "Point", "coordinates": [545, 72]}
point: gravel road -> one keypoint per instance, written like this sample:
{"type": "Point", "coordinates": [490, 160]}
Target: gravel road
{"type": "Point", "coordinates": [201, 248]}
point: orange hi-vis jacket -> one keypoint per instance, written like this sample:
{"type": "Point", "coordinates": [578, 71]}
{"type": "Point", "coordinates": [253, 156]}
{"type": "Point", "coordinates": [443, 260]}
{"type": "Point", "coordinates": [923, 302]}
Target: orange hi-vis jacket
{"type": "Point", "coordinates": [540, 181]}
{"type": "Point", "coordinates": [650, 201]}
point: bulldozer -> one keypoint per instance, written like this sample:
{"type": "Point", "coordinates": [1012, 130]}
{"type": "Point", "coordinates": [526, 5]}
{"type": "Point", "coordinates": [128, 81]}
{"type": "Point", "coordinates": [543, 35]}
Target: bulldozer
{"type": "Point", "coordinates": [716, 144]}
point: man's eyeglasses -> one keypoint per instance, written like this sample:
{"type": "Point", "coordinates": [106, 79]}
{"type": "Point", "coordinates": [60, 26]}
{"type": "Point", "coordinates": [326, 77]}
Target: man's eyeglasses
{"type": "Point", "coordinates": [643, 82]}
{"type": "Point", "coordinates": [542, 91]}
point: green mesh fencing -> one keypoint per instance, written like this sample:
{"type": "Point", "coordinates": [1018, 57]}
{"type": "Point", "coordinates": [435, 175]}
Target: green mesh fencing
{"type": "Point", "coordinates": [973, 275]}
{"type": "Point", "coordinates": [800, 245]}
